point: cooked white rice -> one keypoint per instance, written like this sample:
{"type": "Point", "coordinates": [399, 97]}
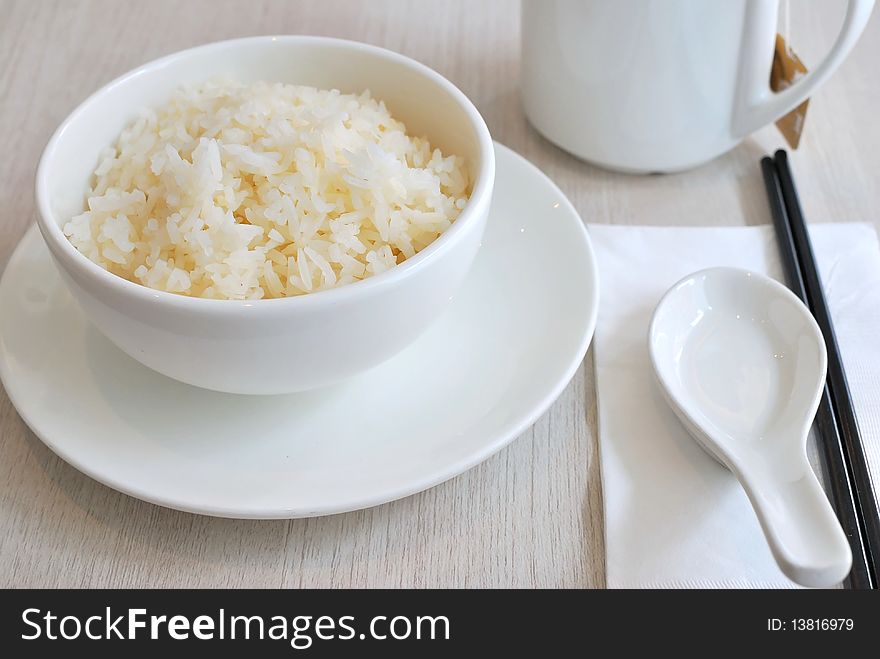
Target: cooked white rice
{"type": "Point", "coordinates": [267, 190]}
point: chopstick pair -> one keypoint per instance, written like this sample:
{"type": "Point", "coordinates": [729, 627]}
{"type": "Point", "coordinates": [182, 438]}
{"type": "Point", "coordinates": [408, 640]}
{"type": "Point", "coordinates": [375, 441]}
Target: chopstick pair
{"type": "Point", "coordinates": [846, 469]}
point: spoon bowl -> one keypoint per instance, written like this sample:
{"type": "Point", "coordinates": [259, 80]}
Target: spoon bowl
{"type": "Point", "coordinates": [742, 363]}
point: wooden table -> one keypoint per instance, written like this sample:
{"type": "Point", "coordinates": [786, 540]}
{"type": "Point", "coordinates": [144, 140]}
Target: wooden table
{"type": "Point", "coordinates": [529, 516]}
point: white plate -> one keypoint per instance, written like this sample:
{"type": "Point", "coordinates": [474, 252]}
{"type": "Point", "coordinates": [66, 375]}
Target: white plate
{"type": "Point", "coordinates": [502, 353]}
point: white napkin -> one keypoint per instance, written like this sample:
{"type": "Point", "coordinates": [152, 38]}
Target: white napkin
{"type": "Point", "coordinates": [673, 516]}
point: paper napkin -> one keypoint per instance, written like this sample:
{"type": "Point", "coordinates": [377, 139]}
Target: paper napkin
{"type": "Point", "coordinates": [673, 516]}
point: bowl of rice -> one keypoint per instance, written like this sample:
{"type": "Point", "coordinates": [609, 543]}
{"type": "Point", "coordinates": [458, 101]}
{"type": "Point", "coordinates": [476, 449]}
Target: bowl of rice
{"type": "Point", "coordinates": [267, 215]}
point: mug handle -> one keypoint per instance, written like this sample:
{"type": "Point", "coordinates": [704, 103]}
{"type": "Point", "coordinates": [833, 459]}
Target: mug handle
{"type": "Point", "coordinates": [759, 106]}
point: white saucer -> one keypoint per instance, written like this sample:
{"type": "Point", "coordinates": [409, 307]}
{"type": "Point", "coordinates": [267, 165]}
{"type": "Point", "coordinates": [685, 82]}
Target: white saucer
{"type": "Point", "coordinates": [509, 344]}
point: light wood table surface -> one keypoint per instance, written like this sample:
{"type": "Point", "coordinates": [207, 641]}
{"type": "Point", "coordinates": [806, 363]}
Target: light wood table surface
{"type": "Point", "coordinates": [529, 516]}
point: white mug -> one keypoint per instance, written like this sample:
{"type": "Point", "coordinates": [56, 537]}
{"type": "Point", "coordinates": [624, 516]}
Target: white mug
{"type": "Point", "coordinates": [660, 85]}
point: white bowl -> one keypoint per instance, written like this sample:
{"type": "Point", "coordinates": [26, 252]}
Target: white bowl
{"type": "Point", "coordinates": [277, 345]}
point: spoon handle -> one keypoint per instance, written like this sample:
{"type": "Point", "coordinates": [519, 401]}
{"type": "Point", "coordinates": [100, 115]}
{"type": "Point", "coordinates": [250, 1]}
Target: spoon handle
{"type": "Point", "coordinates": [801, 528]}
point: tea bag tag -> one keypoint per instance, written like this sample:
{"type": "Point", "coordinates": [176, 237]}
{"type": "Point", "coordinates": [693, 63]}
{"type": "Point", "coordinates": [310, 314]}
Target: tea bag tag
{"type": "Point", "coordinates": [787, 69]}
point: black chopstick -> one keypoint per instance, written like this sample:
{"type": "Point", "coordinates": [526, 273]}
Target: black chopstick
{"type": "Point", "coordinates": [843, 496]}
{"type": "Point", "coordinates": [840, 394]}
{"type": "Point", "coordinates": [843, 455]}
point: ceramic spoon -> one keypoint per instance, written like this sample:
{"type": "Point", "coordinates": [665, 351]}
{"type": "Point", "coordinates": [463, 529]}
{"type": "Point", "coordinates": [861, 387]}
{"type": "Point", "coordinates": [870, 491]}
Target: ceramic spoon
{"type": "Point", "coordinates": [742, 363]}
